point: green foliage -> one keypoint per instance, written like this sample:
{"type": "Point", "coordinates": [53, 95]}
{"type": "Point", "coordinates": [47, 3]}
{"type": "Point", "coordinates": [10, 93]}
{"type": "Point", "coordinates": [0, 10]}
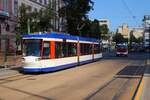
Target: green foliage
{"type": "Point", "coordinates": [95, 29]}
{"type": "Point", "coordinates": [23, 18]}
{"type": "Point", "coordinates": [118, 38]}
{"type": "Point", "coordinates": [104, 30]}
{"type": "Point", "coordinates": [86, 30]}
{"type": "Point", "coordinates": [134, 39]}
{"type": "Point", "coordinates": [45, 17]}
{"type": "Point", "coordinates": [18, 40]}
{"type": "Point", "coordinates": [75, 12]}
{"type": "Point", "coordinates": [39, 20]}
{"type": "Point", "coordinates": [140, 40]}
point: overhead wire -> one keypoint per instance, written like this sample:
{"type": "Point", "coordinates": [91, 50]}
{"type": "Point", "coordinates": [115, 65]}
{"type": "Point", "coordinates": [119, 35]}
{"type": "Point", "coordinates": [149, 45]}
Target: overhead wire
{"type": "Point", "coordinates": [129, 11]}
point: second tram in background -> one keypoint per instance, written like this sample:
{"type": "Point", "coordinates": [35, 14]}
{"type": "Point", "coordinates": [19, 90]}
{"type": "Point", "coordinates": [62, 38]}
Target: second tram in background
{"type": "Point", "coordinates": [56, 51]}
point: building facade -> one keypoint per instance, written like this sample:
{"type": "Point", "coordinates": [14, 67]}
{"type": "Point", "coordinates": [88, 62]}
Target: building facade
{"type": "Point", "coordinates": [8, 23]}
{"type": "Point", "coordinates": [146, 35]}
{"type": "Point", "coordinates": [9, 13]}
{"type": "Point", "coordinates": [124, 30]}
{"type": "Point", "coordinates": [104, 22]}
{"type": "Point", "coordinates": [137, 32]}
{"type": "Point", "coordinates": [57, 22]}
{"type": "Point", "coordinates": [34, 4]}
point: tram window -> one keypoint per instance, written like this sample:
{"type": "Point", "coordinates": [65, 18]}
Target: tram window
{"type": "Point", "coordinates": [31, 47]}
{"type": "Point", "coordinates": [72, 49]}
{"type": "Point", "coordinates": [90, 49]}
{"type": "Point", "coordinates": [85, 49]}
{"type": "Point", "coordinates": [96, 48]}
{"type": "Point", "coordinates": [46, 50]}
{"type": "Point", "coordinates": [58, 50]}
{"type": "Point", "coordinates": [81, 49]}
{"type": "Point", "coordinates": [64, 49]}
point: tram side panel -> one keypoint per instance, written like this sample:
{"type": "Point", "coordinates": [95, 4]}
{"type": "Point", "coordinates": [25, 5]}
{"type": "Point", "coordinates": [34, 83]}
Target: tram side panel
{"type": "Point", "coordinates": [86, 59]}
{"type": "Point", "coordinates": [97, 56]}
{"type": "Point", "coordinates": [97, 52]}
{"type": "Point", "coordinates": [58, 64]}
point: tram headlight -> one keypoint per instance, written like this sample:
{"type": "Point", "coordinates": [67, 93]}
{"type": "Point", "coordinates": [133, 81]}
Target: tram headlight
{"type": "Point", "coordinates": [23, 60]}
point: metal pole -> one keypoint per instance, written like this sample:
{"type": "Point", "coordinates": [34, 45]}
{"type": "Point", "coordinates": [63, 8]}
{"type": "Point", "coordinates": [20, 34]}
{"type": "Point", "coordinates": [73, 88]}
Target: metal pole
{"type": "Point", "coordinates": [5, 51]}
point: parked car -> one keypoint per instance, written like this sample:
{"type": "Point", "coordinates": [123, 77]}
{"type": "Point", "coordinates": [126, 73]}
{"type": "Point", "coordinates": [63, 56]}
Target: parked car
{"type": "Point", "coordinates": [122, 49]}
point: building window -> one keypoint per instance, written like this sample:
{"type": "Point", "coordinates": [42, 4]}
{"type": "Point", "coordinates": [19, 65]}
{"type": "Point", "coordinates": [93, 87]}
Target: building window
{"type": "Point", "coordinates": [35, 9]}
{"type": "Point", "coordinates": [46, 50]}
{"type": "Point", "coordinates": [40, 1]}
{"type": "Point", "coordinates": [5, 5]}
{"type": "Point", "coordinates": [29, 8]}
{"type": "Point", "coordinates": [45, 2]}
{"type": "Point", "coordinates": [7, 27]}
{"type": "Point", "coordinates": [15, 7]}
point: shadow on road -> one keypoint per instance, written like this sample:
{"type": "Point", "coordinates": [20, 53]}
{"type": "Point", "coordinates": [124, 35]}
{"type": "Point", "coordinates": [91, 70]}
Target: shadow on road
{"type": "Point", "coordinates": [131, 71]}
{"type": "Point", "coordinates": [131, 56]}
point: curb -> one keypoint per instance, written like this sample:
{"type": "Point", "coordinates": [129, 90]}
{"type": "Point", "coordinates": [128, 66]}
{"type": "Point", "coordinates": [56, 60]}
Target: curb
{"type": "Point", "coordinates": [8, 71]}
{"type": "Point", "coordinates": [139, 91]}
{"type": "Point", "coordinates": [141, 84]}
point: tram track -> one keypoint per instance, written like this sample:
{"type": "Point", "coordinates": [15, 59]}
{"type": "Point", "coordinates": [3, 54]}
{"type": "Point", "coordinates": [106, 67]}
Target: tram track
{"type": "Point", "coordinates": [125, 84]}
{"type": "Point", "coordinates": [15, 77]}
{"type": "Point", "coordinates": [122, 81]}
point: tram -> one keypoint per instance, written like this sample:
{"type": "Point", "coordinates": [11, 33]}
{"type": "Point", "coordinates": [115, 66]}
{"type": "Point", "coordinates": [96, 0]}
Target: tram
{"type": "Point", "coordinates": [50, 52]}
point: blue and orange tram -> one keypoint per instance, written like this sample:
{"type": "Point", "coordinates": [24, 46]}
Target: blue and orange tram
{"type": "Point", "coordinates": [49, 52]}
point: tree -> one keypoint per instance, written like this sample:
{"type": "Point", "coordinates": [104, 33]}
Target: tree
{"type": "Point", "coordinates": [75, 12]}
{"type": "Point", "coordinates": [23, 19]}
{"type": "Point", "coordinates": [40, 21]}
{"type": "Point", "coordinates": [18, 40]}
{"type": "Point", "coordinates": [86, 30]}
{"type": "Point", "coordinates": [140, 40]}
{"type": "Point", "coordinates": [104, 31]}
{"type": "Point", "coordinates": [45, 17]}
{"type": "Point", "coordinates": [118, 38]}
{"type": "Point", "coordinates": [134, 39]}
{"type": "Point", "coordinates": [95, 29]}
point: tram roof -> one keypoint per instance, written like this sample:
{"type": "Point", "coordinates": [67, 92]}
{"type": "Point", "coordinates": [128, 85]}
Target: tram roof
{"type": "Point", "coordinates": [58, 36]}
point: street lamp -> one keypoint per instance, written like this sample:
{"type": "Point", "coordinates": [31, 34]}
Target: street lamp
{"type": "Point", "coordinates": [28, 25]}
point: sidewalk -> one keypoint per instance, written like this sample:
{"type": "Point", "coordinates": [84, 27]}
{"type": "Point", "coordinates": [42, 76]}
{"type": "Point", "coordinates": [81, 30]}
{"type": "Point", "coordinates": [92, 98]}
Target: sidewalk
{"type": "Point", "coordinates": [12, 61]}
{"type": "Point", "coordinates": [146, 82]}
{"type": "Point", "coordinates": [13, 65]}
{"type": "Point", "coordinates": [7, 72]}
{"type": "Point", "coordinates": [143, 92]}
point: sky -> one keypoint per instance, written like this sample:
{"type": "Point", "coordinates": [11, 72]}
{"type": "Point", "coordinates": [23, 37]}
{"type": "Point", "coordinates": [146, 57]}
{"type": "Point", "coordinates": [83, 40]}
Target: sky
{"type": "Point", "coordinates": [120, 11]}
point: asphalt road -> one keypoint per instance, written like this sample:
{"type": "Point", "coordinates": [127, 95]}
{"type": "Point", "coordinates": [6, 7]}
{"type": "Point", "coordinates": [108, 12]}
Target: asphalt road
{"type": "Point", "coordinates": [110, 78]}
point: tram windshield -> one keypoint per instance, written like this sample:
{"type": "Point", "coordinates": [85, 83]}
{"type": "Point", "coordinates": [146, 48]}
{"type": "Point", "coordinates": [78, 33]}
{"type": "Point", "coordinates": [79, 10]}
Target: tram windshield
{"type": "Point", "coordinates": [31, 47]}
